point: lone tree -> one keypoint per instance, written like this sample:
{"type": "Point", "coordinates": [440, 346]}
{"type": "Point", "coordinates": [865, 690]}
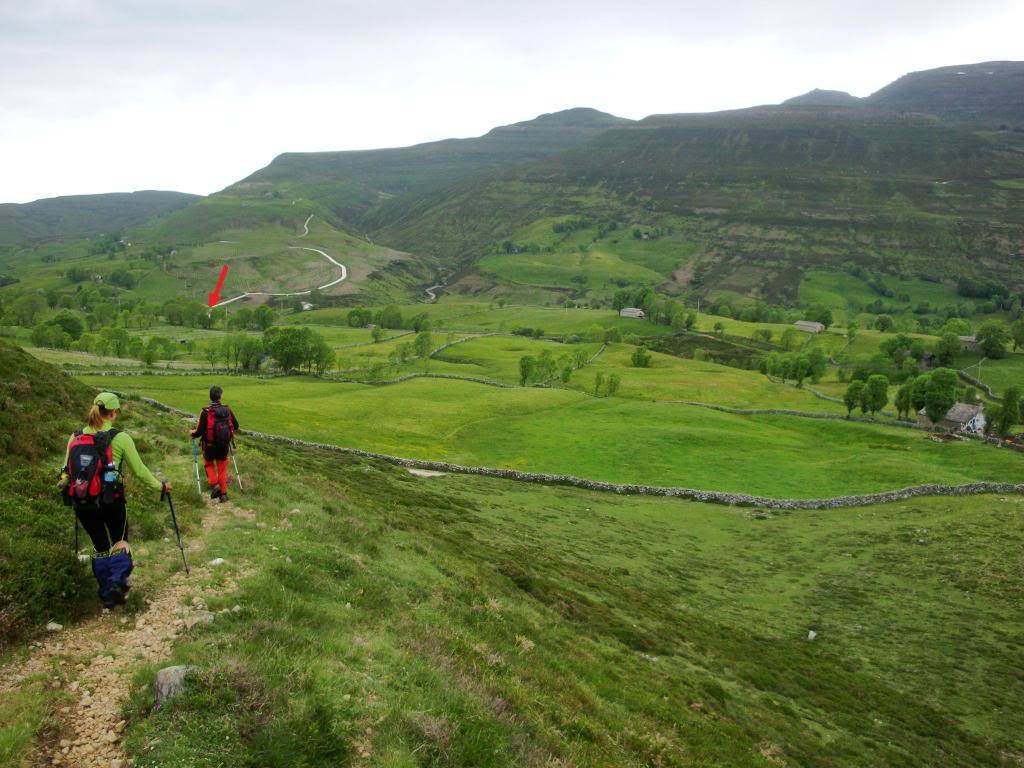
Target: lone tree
{"type": "Point", "coordinates": [939, 394]}
{"type": "Point", "coordinates": [947, 348]}
{"type": "Point", "coordinates": [852, 396]}
{"type": "Point", "coordinates": [613, 385]}
{"type": "Point", "coordinates": [527, 367]}
{"type": "Point", "coordinates": [641, 358]}
{"type": "Point", "coordinates": [876, 393]}
{"type": "Point", "coordinates": [423, 343]}
{"type": "Point", "coordinates": [902, 401]}
{"type": "Point", "coordinates": [883, 323]}
{"type": "Point", "coordinates": [993, 336]}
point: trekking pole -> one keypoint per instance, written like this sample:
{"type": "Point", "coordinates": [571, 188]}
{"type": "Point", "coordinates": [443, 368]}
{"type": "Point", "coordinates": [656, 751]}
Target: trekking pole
{"type": "Point", "coordinates": [174, 522]}
{"type": "Point", "coordinates": [238, 477]}
{"type": "Point", "coordinates": [195, 463]}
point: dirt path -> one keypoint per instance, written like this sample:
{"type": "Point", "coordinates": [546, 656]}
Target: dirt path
{"type": "Point", "coordinates": [305, 225]}
{"type": "Point", "coordinates": [335, 262]}
{"type": "Point", "coordinates": [93, 662]}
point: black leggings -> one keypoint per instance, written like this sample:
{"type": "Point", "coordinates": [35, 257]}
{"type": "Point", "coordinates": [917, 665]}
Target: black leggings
{"type": "Point", "coordinates": [105, 525]}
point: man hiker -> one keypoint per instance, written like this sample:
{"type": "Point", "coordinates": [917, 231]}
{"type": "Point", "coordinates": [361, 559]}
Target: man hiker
{"type": "Point", "coordinates": [92, 483]}
{"type": "Point", "coordinates": [216, 430]}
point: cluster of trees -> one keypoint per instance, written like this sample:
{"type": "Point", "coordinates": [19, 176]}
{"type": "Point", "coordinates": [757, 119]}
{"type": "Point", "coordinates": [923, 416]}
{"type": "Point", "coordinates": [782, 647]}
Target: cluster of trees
{"type": "Point", "coordinates": [606, 387]}
{"type": "Point", "coordinates": [291, 349]}
{"type": "Point", "coordinates": [532, 333]}
{"type": "Point", "coordinates": [657, 310]}
{"type": "Point", "coordinates": [981, 288]}
{"type": "Point", "coordinates": [870, 396]}
{"type": "Point", "coordinates": [795, 366]}
{"type": "Point", "coordinates": [259, 319]}
{"type": "Point", "coordinates": [545, 368]}
{"type": "Point", "coordinates": [119, 343]}
{"type": "Point", "coordinates": [238, 351]}
{"type": "Point", "coordinates": [388, 317]}
{"type": "Point", "coordinates": [935, 392]}
{"type": "Point", "coordinates": [66, 330]}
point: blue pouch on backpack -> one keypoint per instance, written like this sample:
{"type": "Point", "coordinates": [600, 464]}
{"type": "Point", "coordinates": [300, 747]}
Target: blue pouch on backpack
{"type": "Point", "coordinates": [111, 572]}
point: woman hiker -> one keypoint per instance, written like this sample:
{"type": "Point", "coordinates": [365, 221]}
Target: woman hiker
{"type": "Point", "coordinates": [92, 483]}
{"type": "Point", "coordinates": [216, 430]}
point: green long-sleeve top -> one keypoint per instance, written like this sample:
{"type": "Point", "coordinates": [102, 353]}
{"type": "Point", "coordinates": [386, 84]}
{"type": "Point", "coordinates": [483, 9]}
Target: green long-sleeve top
{"type": "Point", "coordinates": [125, 452]}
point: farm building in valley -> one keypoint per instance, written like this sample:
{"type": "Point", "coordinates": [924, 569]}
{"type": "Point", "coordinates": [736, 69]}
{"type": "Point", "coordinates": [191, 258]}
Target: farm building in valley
{"type": "Point", "coordinates": [968, 343]}
{"type": "Point", "coordinates": [631, 312]}
{"type": "Point", "coordinates": [962, 417]}
{"type": "Point", "coordinates": [809, 326]}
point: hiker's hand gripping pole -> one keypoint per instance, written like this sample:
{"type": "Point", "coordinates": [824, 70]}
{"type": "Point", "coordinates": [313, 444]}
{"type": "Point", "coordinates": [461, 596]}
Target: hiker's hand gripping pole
{"type": "Point", "coordinates": [165, 493]}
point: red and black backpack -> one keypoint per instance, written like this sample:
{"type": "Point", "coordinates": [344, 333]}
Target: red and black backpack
{"type": "Point", "coordinates": [89, 456]}
{"type": "Point", "coordinates": [220, 426]}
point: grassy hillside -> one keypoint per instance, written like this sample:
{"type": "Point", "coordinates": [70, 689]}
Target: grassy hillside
{"type": "Point", "coordinates": [612, 439]}
{"type": "Point", "coordinates": [387, 619]}
{"type": "Point", "coordinates": [78, 216]}
{"type": "Point", "coordinates": [350, 183]}
{"type": "Point", "coordinates": [989, 92]}
{"type": "Point", "coordinates": [398, 621]}
{"type": "Point", "coordinates": [752, 198]}
{"type": "Point", "coordinates": [262, 258]}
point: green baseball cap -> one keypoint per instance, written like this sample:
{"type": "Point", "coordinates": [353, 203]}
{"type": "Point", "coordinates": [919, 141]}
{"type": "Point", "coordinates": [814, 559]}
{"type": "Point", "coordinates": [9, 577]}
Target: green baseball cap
{"type": "Point", "coordinates": [108, 400]}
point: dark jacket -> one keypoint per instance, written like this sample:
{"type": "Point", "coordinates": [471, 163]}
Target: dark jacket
{"type": "Point", "coordinates": [213, 452]}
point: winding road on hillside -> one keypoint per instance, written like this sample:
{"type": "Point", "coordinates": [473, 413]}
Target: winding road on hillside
{"type": "Point", "coordinates": [344, 274]}
{"type": "Point", "coordinates": [325, 286]}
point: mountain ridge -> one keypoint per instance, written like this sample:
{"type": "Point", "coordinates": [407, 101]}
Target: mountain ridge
{"type": "Point", "coordinates": [85, 215]}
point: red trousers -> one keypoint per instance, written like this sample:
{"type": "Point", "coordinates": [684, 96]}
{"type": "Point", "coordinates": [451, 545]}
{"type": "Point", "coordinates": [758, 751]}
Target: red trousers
{"type": "Point", "coordinates": [217, 473]}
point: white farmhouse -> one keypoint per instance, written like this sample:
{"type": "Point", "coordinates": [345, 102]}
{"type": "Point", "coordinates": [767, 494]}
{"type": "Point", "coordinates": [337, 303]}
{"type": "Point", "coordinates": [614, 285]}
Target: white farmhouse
{"type": "Point", "coordinates": [968, 418]}
{"type": "Point", "coordinates": [808, 326]}
{"type": "Point", "coordinates": [631, 312]}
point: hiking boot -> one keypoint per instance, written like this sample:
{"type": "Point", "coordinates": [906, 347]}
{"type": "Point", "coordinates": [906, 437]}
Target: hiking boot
{"type": "Point", "coordinates": [214, 493]}
{"type": "Point", "coordinates": [223, 497]}
{"type": "Point", "coordinates": [114, 596]}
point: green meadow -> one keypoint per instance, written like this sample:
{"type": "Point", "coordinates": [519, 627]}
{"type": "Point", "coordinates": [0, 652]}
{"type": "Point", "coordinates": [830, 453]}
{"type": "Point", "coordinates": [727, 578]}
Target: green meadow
{"type": "Point", "coordinates": [468, 622]}
{"type": "Point", "coordinates": [666, 378]}
{"type": "Point", "coordinates": [611, 439]}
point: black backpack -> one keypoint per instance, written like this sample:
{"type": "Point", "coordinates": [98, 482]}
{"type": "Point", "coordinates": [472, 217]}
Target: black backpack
{"type": "Point", "coordinates": [92, 477]}
{"type": "Point", "coordinates": [220, 427]}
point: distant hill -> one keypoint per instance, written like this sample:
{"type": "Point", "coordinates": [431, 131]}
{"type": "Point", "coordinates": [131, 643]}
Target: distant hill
{"type": "Point", "coordinates": [992, 90]}
{"type": "Point", "coordinates": [77, 216]}
{"type": "Point", "coordinates": [351, 183]}
{"type": "Point", "coordinates": [820, 98]}
{"type": "Point", "coordinates": [761, 195]}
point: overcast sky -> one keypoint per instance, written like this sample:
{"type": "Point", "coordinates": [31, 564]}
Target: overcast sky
{"type": "Point", "coordinates": [154, 94]}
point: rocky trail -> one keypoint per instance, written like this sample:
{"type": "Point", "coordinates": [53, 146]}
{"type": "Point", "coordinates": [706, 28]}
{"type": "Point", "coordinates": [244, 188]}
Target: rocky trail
{"type": "Point", "coordinates": [93, 662]}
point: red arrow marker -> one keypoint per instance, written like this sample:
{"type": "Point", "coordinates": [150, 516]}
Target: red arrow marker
{"type": "Point", "coordinates": [213, 297]}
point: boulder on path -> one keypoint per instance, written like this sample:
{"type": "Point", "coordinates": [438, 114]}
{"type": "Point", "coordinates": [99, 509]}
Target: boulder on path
{"type": "Point", "coordinates": [170, 681]}
{"type": "Point", "coordinates": [53, 626]}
